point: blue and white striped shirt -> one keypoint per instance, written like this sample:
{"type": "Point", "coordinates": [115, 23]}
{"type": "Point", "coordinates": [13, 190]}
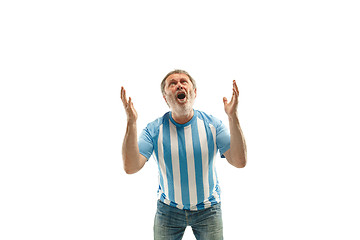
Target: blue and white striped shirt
{"type": "Point", "coordinates": [185, 154]}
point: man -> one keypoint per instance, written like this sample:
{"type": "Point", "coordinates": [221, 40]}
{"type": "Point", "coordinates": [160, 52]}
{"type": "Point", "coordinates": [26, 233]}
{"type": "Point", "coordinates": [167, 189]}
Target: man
{"type": "Point", "coordinates": [185, 142]}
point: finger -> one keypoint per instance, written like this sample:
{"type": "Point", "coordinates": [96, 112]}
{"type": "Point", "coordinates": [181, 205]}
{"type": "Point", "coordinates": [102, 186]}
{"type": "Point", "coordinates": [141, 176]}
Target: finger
{"type": "Point", "coordinates": [233, 96]}
{"type": "Point", "coordinates": [225, 100]}
{"type": "Point", "coordinates": [123, 96]}
{"type": "Point", "coordinates": [131, 105]}
{"type": "Point", "coordinates": [236, 87]}
{"type": "Point", "coordinates": [122, 92]}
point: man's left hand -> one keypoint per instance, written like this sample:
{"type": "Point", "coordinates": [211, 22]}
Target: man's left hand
{"type": "Point", "coordinates": [231, 107]}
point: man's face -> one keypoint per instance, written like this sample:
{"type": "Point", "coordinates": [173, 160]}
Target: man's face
{"type": "Point", "coordinates": [179, 91]}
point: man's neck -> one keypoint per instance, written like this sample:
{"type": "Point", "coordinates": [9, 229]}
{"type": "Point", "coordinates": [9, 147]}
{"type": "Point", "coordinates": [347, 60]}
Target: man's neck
{"type": "Point", "coordinates": [182, 117]}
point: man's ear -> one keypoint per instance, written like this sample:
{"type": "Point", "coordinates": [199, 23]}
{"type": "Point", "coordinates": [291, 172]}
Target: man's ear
{"type": "Point", "coordinates": [195, 92]}
{"type": "Point", "coordinates": [165, 100]}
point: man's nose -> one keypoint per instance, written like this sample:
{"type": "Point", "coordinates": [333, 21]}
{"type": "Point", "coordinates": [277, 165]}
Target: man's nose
{"type": "Point", "coordinates": [179, 86]}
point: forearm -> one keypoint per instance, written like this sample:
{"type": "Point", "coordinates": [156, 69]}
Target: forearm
{"type": "Point", "coordinates": [237, 143]}
{"type": "Point", "coordinates": [130, 149]}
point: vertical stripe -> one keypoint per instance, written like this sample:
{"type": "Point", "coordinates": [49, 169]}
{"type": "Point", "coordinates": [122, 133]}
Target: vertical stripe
{"type": "Point", "coordinates": [167, 159]}
{"type": "Point", "coordinates": [198, 164]}
{"type": "Point", "coordinates": [213, 181]}
{"type": "Point", "coordinates": [210, 146]}
{"type": "Point", "coordinates": [204, 157]}
{"type": "Point", "coordinates": [175, 164]}
{"type": "Point", "coordinates": [183, 167]}
{"type": "Point", "coordinates": [162, 168]}
{"type": "Point", "coordinates": [191, 167]}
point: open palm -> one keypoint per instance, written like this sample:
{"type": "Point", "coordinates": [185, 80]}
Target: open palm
{"type": "Point", "coordinates": [129, 106]}
{"type": "Point", "coordinates": [231, 107]}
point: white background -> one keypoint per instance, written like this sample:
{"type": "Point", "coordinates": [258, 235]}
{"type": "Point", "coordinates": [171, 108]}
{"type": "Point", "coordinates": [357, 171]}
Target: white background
{"type": "Point", "coordinates": [62, 64]}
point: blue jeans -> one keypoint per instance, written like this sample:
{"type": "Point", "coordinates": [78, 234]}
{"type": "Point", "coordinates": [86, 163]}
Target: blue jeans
{"type": "Point", "coordinates": [170, 222]}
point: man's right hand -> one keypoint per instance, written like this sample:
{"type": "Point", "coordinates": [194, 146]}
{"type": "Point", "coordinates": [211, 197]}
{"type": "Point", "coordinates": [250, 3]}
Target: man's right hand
{"type": "Point", "coordinates": [133, 160]}
{"type": "Point", "coordinates": [129, 107]}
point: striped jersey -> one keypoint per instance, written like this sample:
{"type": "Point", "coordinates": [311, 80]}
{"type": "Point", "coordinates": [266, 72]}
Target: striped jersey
{"type": "Point", "coordinates": [185, 154]}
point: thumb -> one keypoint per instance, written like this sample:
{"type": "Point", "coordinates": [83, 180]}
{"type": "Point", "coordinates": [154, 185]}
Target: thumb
{"type": "Point", "coordinates": [225, 100]}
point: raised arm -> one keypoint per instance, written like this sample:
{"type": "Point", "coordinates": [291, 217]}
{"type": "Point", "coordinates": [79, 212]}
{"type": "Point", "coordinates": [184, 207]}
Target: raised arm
{"type": "Point", "coordinates": [133, 160]}
{"type": "Point", "coordinates": [236, 155]}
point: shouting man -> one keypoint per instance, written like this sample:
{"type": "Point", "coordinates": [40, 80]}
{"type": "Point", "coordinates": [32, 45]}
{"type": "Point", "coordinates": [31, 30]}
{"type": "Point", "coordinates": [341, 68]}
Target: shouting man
{"type": "Point", "coordinates": [185, 142]}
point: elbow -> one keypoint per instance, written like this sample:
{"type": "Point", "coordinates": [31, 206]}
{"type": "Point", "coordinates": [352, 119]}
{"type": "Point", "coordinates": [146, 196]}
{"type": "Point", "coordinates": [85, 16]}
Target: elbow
{"type": "Point", "coordinates": [130, 171]}
{"type": "Point", "coordinates": [238, 162]}
{"type": "Point", "coordinates": [236, 158]}
{"type": "Point", "coordinates": [129, 166]}
{"type": "Point", "coordinates": [241, 163]}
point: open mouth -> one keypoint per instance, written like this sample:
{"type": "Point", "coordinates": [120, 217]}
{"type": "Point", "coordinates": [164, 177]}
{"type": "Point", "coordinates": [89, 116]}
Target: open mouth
{"type": "Point", "coordinates": [181, 96]}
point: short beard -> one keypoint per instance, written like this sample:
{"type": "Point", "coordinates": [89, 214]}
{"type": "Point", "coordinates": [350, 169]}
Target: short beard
{"type": "Point", "coordinates": [182, 108]}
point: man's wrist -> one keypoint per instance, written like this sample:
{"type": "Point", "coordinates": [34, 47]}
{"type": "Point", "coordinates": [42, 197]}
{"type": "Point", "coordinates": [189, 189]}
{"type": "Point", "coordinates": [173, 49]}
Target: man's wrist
{"type": "Point", "coordinates": [131, 122]}
{"type": "Point", "coordinates": [233, 117]}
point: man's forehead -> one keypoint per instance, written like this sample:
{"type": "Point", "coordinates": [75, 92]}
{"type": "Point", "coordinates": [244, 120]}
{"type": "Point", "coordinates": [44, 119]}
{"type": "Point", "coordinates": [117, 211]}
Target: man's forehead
{"type": "Point", "coordinates": [176, 76]}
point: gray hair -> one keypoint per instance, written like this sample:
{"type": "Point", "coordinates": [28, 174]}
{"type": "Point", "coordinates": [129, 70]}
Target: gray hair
{"type": "Point", "coordinates": [176, 71]}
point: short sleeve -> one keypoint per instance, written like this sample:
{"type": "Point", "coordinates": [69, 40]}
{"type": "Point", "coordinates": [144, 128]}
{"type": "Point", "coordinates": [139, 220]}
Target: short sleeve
{"type": "Point", "coordinates": [222, 138]}
{"type": "Point", "coordinates": [145, 143]}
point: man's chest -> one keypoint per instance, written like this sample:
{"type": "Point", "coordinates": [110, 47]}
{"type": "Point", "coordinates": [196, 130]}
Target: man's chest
{"type": "Point", "coordinates": [188, 144]}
